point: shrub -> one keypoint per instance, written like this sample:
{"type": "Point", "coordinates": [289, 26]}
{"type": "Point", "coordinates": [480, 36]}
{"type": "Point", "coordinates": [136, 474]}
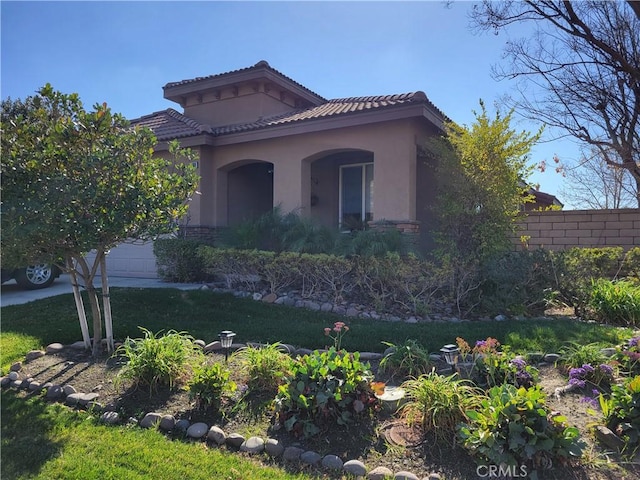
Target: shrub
{"type": "Point", "coordinates": [622, 412]}
{"type": "Point", "coordinates": [178, 260]}
{"type": "Point", "coordinates": [409, 359]}
{"type": "Point", "coordinates": [574, 355]}
{"type": "Point", "coordinates": [518, 282]}
{"type": "Point", "coordinates": [577, 268]}
{"type": "Point", "coordinates": [209, 384]}
{"type": "Point", "coordinates": [266, 367]}
{"type": "Point", "coordinates": [504, 367]}
{"type": "Point", "coordinates": [158, 359]}
{"type": "Point", "coordinates": [513, 426]}
{"type": "Point", "coordinates": [372, 243]}
{"type": "Point", "coordinates": [238, 268]}
{"type": "Point", "coordinates": [616, 302]}
{"type": "Point", "coordinates": [324, 388]}
{"type": "Point", "coordinates": [631, 263]}
{"type": "Point", "coordinates": [628, 356]}
{"type": "Point", "coordinates": [439, 403]}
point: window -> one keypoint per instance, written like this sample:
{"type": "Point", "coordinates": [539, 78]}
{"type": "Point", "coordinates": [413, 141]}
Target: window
{"type": "Point", "coordinates": [356, 195]}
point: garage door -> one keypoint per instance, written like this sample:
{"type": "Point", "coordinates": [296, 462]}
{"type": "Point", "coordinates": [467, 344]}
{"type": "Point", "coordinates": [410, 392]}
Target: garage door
{"type": "Point", "coordinates": [134, 260]}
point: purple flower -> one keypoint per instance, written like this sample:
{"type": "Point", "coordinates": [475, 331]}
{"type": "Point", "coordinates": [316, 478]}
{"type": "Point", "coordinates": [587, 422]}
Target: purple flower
{"type": "Point", "coordinates": [578, 382]}
{"type": "Point", "coordinates": [588, 368]}
{"type": "Point", "coordinates": [480, 343]}
{"type": "Point", "coordinates": [519, 363]}
{"type": "Point", "coordinates": [606, 369]}
{"type": "Point", "coordinates": [634, 342]}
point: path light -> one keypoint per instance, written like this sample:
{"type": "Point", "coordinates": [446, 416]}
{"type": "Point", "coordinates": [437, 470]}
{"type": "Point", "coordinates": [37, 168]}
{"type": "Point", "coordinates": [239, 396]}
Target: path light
{"type": "Point", "coordinates": [226, 339]}
{"type": "Point", "coordinates": [450, 354]}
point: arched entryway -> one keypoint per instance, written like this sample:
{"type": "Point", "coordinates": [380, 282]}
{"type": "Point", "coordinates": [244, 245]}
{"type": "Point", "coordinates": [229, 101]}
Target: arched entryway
{"type": "Point", "coordinates": [249, 191]}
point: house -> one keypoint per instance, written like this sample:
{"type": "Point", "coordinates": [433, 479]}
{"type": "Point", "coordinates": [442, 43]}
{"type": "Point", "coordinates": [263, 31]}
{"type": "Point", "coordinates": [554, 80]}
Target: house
{"type": "Point", "coordinates": [265, 140]}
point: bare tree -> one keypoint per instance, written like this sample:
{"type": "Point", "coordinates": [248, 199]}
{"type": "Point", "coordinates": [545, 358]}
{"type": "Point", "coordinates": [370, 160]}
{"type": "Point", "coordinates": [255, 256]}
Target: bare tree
{"type": "Point", "coordinates": [579, 72]}
{"type": "Point", "coordinates": [594, 184]}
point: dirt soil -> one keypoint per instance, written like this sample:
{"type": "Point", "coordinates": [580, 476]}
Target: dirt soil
{"type": "Point", "coordinates": [376, 443]}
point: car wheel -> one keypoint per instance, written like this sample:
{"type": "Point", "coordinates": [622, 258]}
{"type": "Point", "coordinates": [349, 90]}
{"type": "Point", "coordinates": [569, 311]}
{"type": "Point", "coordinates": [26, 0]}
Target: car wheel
{"type": "Point", "coordinates": [35, 276]}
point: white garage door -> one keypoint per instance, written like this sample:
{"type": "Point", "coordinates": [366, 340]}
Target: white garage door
{"type": "Point", "coordinates": [135, 260]}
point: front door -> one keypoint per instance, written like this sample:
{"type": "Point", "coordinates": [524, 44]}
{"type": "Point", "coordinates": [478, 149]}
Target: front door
{"type": "Point", "coordinates": [356, 196]}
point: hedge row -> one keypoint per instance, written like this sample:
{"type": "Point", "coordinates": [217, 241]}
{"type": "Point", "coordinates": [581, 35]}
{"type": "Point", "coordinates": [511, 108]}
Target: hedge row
{"type": "Point", "coordinates": [515, 283]}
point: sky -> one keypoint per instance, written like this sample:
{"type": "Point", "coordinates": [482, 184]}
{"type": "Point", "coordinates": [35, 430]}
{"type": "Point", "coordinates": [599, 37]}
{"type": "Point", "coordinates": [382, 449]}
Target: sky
{"type": "Point", "coordinates": [123, 53]}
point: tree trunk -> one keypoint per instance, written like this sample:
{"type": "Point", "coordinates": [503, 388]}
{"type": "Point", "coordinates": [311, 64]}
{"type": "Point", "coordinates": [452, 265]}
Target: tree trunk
{"type": "Point", "coordinates": [84, 327]}
{"type": "Point", "coordinates": [88, 276]}
{"type": "Point", "coordinates": [106, 303]}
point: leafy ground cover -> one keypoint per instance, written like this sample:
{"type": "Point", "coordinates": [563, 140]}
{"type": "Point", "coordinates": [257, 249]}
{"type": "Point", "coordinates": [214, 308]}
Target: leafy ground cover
{"type": "Point", "coordinates": [66, 434]}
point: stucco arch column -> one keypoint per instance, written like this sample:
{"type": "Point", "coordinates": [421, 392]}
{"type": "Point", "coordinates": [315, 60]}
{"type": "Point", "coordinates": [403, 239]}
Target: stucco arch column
{"type": "Point", "coordinates": [292, 185]}
{"type": "Point", "coordinates": [394, 176]}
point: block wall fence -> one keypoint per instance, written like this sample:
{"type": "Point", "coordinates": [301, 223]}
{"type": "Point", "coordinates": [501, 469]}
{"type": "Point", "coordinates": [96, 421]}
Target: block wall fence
{"type": "Point", "coordinates": [560, 230]}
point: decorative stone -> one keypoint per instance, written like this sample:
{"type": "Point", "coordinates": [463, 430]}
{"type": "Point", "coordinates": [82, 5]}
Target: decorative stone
{"type": "Point", "coordinates": [25, 383]}
{"type": "Point", "coordinates": [355, 467]}
{"type": "Point", "coordinates": [292, 454]}
{"type": "Point", "coordinates": [13, 376]}
{"type": "Point", "coordinates": [16, 367]}
{"type": "Point", "coordinates": [72, 399]}
{"type": "Point", "coordinates": [405, 476]}
{"type": "Point", "coordinates": [199, 343]}
{"type": "Point", "coordinates": [610, 439]}
{"type": "Point", "coordinates": [95, 407]}
{"type": "Point", "coordinates": [69, 389]}
{"type": "Point", "coordinates": [197, 430]}
{"type": "Point", "coordinates": [270, 298]}
{"type": "Point", "coordinates": [608, 352]}
{"type": "Point", "coordinates": [310, 457]}
{"type": "Point", "coordinates": [303, 351]}
{"type": "Point", "coordinates": [16, 384]}
{"type": "Point", "coordinates": [5, 382]}
{"type": "Point", "coordinates": [257, 296]}
{"type": "Point", "coordinates": [79, 345]}
{"type": "Point", "coordinates": [110, 417]}
{"type": "Point", "coordinates": [54, 348]}
{"type": "Point", "coordinates": [370, 356]}
{"type": "Point", "coordinates": [411, 320]}
{"type": "Point", "coordinates": [85, 398]}
{"type": "Point", "coordinates": [212, 347]}
{"type": "Point", "coordinates": [286, 348]}
{"type": "Point", "coordinates": [273, 447]}
{"type": "Point", "coordinates": [35, 386]}
{"type": "Point", "coordinates": [352, 312]}
{"type": "Point", "coordinates": [54, 392]}
{"type": "Point", "coordinates": [182, 425]}
{"type": "Point", "coordinates": [379, 473]}
{"type": "Point", "coordinates": [217, 435]}
{"type": "Point", "coordinates": [500, 318]}
{"type": "Point", "coordinates": [33, 354]}
{"type": "Point", "coordinates": [332, 462]}
{"type": "Point", "coordinates": [551, 357]}
{"type": "Point", "coordinates": [167, 423]}
{"type": "Point", "coordinates": [150, 420]}
{"type": "Point", "coordinates": [235, 440]}
{"type": "Point", "coordinates": [326, 307]}
{"type": "Point", "coordinates": [252, 445]}
{"type": "Point", "coordinates": [434, 476]}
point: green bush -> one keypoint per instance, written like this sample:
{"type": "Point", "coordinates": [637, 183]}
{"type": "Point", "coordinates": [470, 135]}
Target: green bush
{"type": "Point", "coordinates": [409, 359]}
{"type": "Point", "coordinates": [324, 388]}
{"type": "Point", "coordinates": [518, 283]}
{"type": "Point", "coordinates": [577, 268]}
{"type": "Point", "coordinates": [372, 243]}
{"type": "Point", "coordinates": [621, 411]}
{"type": "Point", "coordinates": [631, 263]}
{"type": "Point", "coordinates": [616, 302]}
{"type": "Point", "coordinates": [178, 260]}
{"type": "Point", "coordinates": [209, 384]}
{"type": "Point", "coordinates": [266, 367]}
{"type": "Point", "coordinates": [158, 359]}
{"type": "Point", "coordinates": [438, 403]}
{"type": "Point", "coordinates": [513, 426]}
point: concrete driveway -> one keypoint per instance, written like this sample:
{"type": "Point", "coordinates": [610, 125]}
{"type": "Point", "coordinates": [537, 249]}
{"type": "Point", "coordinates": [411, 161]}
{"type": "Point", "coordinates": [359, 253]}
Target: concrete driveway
{"type": "Point", "coordinates": [12, 294]}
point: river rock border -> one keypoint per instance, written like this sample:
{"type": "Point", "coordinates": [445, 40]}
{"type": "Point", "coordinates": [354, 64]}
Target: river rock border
{"type": "Point", "coordinates": [199, 431]}
{"type": "Point", "coordinates": [211, 434]}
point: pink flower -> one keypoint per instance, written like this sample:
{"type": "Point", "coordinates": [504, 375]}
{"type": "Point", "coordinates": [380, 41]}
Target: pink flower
{"type": "Point", "coordinates": [327, 331]}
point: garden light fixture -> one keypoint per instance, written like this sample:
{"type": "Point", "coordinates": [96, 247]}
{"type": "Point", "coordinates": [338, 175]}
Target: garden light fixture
{"type": "Point", "coordinates": [226, 339]}
{"type": "Point", "coordinates": [450, 353]}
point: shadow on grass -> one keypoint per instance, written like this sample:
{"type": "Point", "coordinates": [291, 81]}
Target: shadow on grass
{"type": "Point", "coordinates": [27, 442]}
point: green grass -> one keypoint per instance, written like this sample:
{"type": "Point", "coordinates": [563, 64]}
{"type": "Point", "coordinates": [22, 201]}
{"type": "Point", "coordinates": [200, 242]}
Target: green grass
{"type": "Point", "coordinates": [42, 442]}
{"type": "Point", "coordinates": [203, 315]}
{"type": "Point", "coordinates": [71, 445]}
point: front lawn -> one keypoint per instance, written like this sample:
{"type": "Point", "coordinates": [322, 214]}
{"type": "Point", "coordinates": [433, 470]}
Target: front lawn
{"type": "Point", "coordinates": [204, 314]}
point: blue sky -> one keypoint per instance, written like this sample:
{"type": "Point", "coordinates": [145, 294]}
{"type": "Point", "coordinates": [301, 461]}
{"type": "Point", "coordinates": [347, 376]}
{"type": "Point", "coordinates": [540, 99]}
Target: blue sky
{"type": "Point", "coordinates": [123, 53]}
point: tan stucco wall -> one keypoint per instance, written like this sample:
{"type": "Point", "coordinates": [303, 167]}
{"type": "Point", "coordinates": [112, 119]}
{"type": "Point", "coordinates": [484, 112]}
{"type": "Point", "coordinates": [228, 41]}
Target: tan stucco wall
{"type": "Point", "coordinates": [392, 143]}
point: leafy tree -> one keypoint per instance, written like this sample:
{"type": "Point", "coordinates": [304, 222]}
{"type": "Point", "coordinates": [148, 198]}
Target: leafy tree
{"type": "Point", "coordinates": [482, 172]}
{"type": "Point", "coordinates": [579, 72]}
{"type": "Point", "coordinates": [75, 181]}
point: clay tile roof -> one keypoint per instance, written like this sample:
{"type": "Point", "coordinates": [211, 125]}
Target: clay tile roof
{"type": "Point", "coordinates": [262, 64]}
{"type": "Point", "coordinates": [170, 124]}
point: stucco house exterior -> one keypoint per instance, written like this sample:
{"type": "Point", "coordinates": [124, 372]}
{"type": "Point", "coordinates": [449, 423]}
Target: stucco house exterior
{"type": "Point", "coordinates": [265, 140]}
